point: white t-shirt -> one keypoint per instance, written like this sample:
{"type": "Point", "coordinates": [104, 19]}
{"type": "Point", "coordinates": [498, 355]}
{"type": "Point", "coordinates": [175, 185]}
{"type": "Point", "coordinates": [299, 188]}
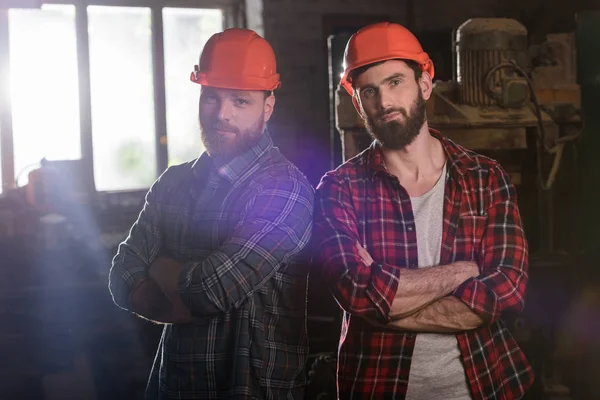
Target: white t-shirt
{"type": "Point", "coordinates": [436, 370]}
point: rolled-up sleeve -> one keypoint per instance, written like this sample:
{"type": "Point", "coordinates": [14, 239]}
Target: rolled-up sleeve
{"type": "Point", "coordinates": [503, 256]}
{"type": "Point", "coordinates": [366, 291]}
{"type": "Point", "coordinates": [136, 252]}
{"type": "Point", "coordinates": [276, 225]}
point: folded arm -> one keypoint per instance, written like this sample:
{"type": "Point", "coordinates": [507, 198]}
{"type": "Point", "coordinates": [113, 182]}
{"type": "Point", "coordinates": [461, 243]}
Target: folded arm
{"type": "Point", "coordinates": [129, 281]}
{"type": "Point", "coordinates": [136, 253]}
{"type": "Point", "coordinates": [446, 315]}
{"type": "Point", "coordinates": [275, 227]}
{"type": "Point", "coordinates": [360, 288]}
{"type": "Point", "coordinates": [418, 288]}
{"type": "Point", "coordinates": [503, 257]}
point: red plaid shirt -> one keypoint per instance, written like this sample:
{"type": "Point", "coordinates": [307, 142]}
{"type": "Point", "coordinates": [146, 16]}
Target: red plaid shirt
{"type": "Point", "coordinates": [361, 201]}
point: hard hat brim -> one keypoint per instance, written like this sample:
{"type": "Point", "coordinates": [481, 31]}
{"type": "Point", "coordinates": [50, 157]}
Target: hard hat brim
{"type": "Point", "coordinates": [227, 82]}
{"type": "Point", "coordinates": [423, 60]}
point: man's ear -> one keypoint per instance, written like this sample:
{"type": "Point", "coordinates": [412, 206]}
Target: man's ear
{"type": "Point", "coordinates": [269, 107]}
{"type": "Point", "coordinates": [426, 85]}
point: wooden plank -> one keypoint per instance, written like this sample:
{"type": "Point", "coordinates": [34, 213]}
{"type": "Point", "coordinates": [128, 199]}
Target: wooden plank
{"type": "Point", "coordinates": [489, 138]}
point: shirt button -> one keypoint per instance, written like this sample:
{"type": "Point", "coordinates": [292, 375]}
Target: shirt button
{"type": "Point", "coordinates": [410, 228]}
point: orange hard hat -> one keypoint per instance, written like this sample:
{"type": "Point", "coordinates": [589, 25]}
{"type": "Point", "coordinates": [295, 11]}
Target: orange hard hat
{"type": "Point", "coordinates": [380, 42]}
{"type": "Point", "coordinates": [237, 59]}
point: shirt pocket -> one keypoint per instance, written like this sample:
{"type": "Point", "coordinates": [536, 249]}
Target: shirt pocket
{"type": "Point", "coordinates": [469, 236]}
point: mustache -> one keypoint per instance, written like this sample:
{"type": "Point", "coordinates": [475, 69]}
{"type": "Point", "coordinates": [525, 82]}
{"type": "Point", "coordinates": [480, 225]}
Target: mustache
{"type": "Point", "coordinates": [223, 126]}
{"type": "Point", "coordinates": [388, 111]}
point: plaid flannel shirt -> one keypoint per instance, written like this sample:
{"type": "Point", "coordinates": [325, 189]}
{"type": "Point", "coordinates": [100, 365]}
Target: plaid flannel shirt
{"type": "Point", "coordinates": [361, 201]}
{"type": "Point", "coordinates": [239, 229]}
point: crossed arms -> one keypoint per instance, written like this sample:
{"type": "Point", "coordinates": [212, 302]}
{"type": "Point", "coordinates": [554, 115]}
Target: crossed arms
{"type": "Point", "coordinates": [423, 302]}
{"type": "Point", "coordinates": [446, 298]}
{"type": "Point", "coordinates": [275, 226]}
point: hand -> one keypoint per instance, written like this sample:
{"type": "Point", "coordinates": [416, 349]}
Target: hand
{"type": "Point", "coordinates": [364, 255]}
{"type": "Point", "coordinates": [148, 300]}
{"type": "Point", "coordinates": [165, 272]}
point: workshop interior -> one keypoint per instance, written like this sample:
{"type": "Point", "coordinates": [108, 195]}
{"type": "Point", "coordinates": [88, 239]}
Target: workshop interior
{"type": "Point", "coordinates": [95, 103]}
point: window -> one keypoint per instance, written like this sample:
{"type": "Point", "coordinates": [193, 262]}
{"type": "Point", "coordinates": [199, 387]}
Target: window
{"type": "Point", "coordinates": [86, 84]}
{"type": "Point", "coordinates": [1, 177]}
{"type": "Point", "coordinates": [44, 86]}
{"type": "Point", "coordinates": [122, 95]}
{"type": "Point", "coordinates": [185, 33]}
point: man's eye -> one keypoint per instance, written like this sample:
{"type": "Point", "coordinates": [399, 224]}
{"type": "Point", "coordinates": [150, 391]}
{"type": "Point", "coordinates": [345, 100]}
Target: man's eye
{"type": "Point", "coordinates": [241, 102]}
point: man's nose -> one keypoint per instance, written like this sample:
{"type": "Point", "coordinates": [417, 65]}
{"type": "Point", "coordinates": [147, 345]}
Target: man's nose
{"type": "Point", "coordinates": [225, 111]}
{"type": "Point", "coordinates": [385, 100]}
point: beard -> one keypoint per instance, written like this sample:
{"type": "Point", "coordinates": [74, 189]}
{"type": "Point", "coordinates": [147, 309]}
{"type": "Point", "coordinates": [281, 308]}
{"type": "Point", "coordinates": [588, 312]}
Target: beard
{"type": "Point", "coordinates": [226, 147]}
{"type": "Point", "coordinates": [396, 135]}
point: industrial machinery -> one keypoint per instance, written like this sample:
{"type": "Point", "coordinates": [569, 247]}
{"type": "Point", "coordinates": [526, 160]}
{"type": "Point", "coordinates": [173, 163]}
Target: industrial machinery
{"type": "Point", "coordinates": [508, 100]}
{"type": "Point", "coordinates": [519, 104]}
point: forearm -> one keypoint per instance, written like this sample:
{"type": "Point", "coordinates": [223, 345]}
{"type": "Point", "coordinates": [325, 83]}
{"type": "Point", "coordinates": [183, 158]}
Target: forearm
{"type": "Point", "coordinates": [217, 285]}
{"type": "Point", "coordinates": [243, 264]}
{"type": "Point", "coordinates": [365, 292]}
{"type": "Point", "coordinates": [274, 228]}
{"type": "Point", "coordinates": [418, 288]}
{"type": "Point", "coordinates": [503, 255]}
{"type": "Point", "coordinates": [122, 279]}
{"type": "Point", "coordinates": [134, 256]}
{"type": "Point", "coordinates": [446, 315]}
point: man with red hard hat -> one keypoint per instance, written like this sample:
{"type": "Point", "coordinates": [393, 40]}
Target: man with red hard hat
{"type": "Point", "coordinates": [421, 243]}
{"type": "Point", "coordinates": [215, 254]}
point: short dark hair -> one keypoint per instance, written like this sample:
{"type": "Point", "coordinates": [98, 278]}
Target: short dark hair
{"type": "Point", "coordinates": [267, 93]}
{"type": "Point", "coordinates": [355, 73]}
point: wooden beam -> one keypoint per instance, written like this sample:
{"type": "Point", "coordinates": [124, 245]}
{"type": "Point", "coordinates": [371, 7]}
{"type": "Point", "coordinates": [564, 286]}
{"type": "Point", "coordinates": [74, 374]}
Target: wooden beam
{"type": "Point", "coordinates": [489, 138]}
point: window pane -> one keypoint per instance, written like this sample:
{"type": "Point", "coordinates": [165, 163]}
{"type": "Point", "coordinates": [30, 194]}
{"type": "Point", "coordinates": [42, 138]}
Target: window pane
{"type": "Point", "coordinates": [185, 33]}
{"type": "Point", "coordinates": [1, 182]}
{"type": "Point", "coordinates": [44, 86]}
{"type": "Point", "coordinates": [122, 97]}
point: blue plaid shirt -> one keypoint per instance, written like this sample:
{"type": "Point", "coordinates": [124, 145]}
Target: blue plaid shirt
{"type": "Point", "coordinates": [239, 228]}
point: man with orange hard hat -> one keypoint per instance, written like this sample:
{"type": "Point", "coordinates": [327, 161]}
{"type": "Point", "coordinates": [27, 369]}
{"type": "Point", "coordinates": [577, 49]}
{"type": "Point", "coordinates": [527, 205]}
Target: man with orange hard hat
{"type": "Point", "coordinates": [215, 253]}
{"type": "Point", "coordinates": [421, 243]}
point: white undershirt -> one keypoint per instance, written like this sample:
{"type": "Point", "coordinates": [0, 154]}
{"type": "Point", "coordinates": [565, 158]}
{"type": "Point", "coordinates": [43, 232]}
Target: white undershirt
{"type": "Point", "coordinates": [436, 370]}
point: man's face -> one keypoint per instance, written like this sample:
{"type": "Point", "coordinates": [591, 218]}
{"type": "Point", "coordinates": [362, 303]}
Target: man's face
{"type": "Point", "coordinates": [232, 121]}
{"type": "Point", "coordinates": [391, 103]}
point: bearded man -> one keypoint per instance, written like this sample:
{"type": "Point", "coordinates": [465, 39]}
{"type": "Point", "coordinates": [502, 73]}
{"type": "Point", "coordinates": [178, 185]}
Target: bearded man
{"type": "Point", "coordinates": [421, 243]}
{"type": "Point", "coordinates": [215, 253]}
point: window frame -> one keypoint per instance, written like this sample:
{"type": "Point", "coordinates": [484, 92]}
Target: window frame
{"type": "Point", "coordinates": [232, 17]}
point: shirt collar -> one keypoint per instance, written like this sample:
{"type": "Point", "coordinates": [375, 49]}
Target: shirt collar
{"type": "Point", "coordinates": [239, 166]}
{"type": "Point", "coordinates": [458, 159]}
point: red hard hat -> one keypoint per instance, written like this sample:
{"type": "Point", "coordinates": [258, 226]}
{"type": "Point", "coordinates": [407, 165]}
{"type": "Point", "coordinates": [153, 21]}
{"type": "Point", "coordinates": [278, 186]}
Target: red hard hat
{"type": "Point", "coordinates": [237, 59]}
{"type": "Point", "coordinates": [380, 42]}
